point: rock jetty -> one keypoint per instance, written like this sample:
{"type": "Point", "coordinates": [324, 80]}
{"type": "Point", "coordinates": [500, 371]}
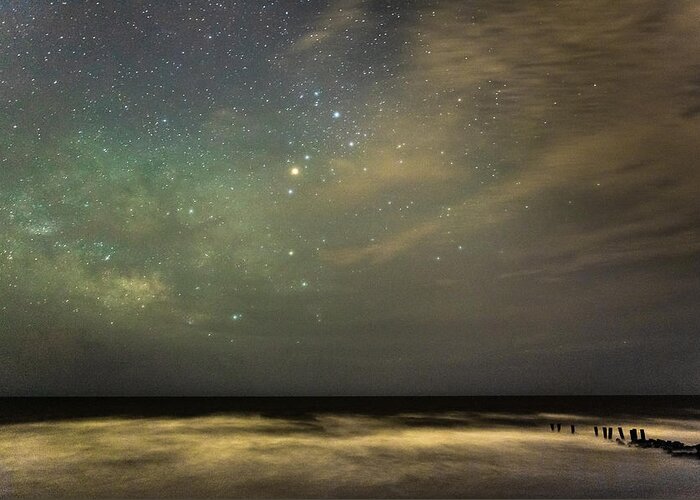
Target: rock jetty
{"type": "Point", "coordinates": [675, 448]}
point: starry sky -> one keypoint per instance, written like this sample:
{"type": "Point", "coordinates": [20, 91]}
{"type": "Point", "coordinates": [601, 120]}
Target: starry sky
{"type": "Point", "coordinates": [349, 197]}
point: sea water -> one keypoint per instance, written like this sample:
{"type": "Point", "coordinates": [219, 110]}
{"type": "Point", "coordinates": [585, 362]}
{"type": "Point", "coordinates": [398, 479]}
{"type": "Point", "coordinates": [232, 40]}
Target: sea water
{"type": "Point", "coordinates": [436, 455]}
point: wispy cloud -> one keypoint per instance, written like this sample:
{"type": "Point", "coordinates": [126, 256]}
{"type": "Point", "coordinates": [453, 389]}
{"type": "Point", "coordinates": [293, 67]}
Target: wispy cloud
{"type": "Point", "coordinates": [584, 112]}
{"type": "Point", "coordinates": [332, 25]}
{"type": "Point", "coordinates": [384, 250]}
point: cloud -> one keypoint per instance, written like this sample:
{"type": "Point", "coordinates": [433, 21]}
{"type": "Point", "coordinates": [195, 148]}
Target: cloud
{"type": "Point", "coordinates": [331, 26]}
{"type": "Point", "coordinates": [382, 251]}
{"type": "Point", "coordinates": [644, 181]}
{"type": "Point", "coordinates": [584, 108]}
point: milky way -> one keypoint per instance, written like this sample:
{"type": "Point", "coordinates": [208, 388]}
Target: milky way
{"type": "Point", "coordinates": [349, 197]}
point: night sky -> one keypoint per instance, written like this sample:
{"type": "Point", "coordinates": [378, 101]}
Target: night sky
{"type": "Point", "coordinates": [349, 197]}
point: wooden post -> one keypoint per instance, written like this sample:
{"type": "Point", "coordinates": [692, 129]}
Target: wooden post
{"type": "Point", "coordinates": [595, 429]}
{"type": "Point", "coordinates": [642, 436]}
{"type": "Point", "coordinates": [622, 434]}
{"type": "Point", "coordinates": [605, 433]}
{"type": "Point", "coordinates": [551, 426]}
{"type": "Point", "coordinates": [609, 432]}
{"type": "Point", "coordinates": [633, 435]}
{"type": "Point", "coordinates": [558, 427]}
{"type": "Point", "coordinates": [573, 429]}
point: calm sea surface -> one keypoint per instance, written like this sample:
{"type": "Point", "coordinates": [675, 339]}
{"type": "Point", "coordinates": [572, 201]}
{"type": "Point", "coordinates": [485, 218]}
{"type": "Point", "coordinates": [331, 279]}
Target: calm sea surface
{"type": "Point", "coordinates": [326, 454]}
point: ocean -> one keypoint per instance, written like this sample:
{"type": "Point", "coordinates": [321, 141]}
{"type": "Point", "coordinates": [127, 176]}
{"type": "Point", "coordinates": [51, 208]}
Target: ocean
{"type": "Point", "coordinates": [345, 447]}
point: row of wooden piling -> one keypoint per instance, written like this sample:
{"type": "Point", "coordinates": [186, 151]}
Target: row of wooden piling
{"type": "Point", "coordinates": [675, 448]}
{"type": "Point", "coordinates": [607, 432]}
